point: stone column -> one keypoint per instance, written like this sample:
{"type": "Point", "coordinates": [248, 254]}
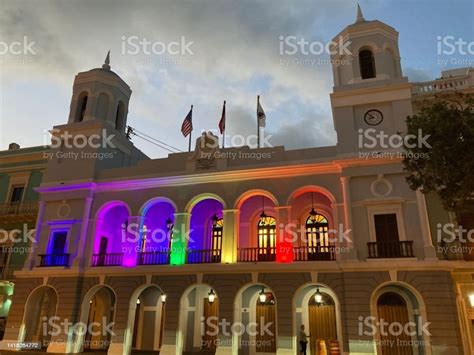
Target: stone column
{"type": "Point", "coordinates": [180, 238]}
{"type": "Point", "coordinates": [284, 244]}
{"type": "Point", "coordinates": [79, 260]}
{"type": "Point", "coordinates": [30, 263]}
{"type": "Point", "coordinates": [230, 236]}
{"type": "Point", "coordinates": [428, 248]}
{"type": "Point", "coordinates": [349, 241]}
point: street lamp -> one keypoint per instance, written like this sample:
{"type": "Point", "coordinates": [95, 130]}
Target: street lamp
{"type": "Point", "coordinates": [212, 296]}
{"type": "Point", "coordinates": [318, 297]}
{"type": "Point", "coordinates": [169, 224]}
{"type": "Point", "coordinates": [262, 296]}
{"type": "Point", "coordinates": [215, 219]}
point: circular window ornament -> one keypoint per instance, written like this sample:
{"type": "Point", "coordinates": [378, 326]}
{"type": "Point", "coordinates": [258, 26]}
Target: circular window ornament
{"type": "Point", "coordinates": [63, 210]}
{"type": "Point", "coordinates": [381, 187]}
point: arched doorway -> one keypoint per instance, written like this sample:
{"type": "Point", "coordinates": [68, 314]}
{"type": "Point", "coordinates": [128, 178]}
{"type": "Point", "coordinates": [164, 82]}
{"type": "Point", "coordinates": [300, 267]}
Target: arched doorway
{"type": "Point", "coordinates": [146, 319]}
{"type": "Point", "coordinates": [100, 312]}
{"type": "Point", "coordinates": [255, 309]}
{"type": "Point", "coordinates": [199, 314]}
{"type": "Point", "coordinates": [392, 308]}
{"type": "Point", "coordinates": [41, 305]}
{"type": "Point", "coordinates": [400, 315]}
{"type": "Point", "coordinates": [316, 307]}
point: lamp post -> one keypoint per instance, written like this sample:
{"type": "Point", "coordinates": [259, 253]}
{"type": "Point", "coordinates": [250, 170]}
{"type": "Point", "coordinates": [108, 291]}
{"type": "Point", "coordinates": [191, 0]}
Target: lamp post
{"type": "Point", "coordinates": [262, 296]}
{"type": "Point", "coordinates": [211, 296]}
{"type": "Point", "coordinates": [318, 297]}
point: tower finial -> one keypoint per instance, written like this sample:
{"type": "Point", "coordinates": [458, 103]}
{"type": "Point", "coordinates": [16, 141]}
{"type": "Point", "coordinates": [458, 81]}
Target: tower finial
{"type": "Point", "coordinates": [360, 16]}
{"type": "Point", "coordinates": [106, 64]}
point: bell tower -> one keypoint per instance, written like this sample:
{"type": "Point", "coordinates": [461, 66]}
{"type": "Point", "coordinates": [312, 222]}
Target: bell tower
{"type": "Point", "coordinates": [370, 92]}
{"type": "Point", "coordinates": [94, 138]}
{"type": "Point", "coordinates": [100, 94]}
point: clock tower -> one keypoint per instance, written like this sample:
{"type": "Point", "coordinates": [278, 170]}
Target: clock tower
{"type": "Point", "coordinates": [370, 94]}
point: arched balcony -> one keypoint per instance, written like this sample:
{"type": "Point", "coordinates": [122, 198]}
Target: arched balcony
{"type": "Point", "coordinates": [114, 244]}
{"type": "Point", "coordinates": [156, 231]}
{"type": "Point", "coordinates": [206, 232]}
{"type": "Point", "coordinates": [257, 228]}
{"type": "Point", "coordinates": [315, 236]}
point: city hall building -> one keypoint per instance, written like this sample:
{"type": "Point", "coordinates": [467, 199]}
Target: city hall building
{"type": "Point", "coordinates": [159, 252]}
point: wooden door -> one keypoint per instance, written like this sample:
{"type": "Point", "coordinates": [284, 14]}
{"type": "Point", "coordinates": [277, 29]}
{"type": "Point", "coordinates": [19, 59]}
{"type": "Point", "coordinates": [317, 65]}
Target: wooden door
{"type": "Point", "coordinates": [391, 307]}
{"type": "Point", "coordinates": [322, 326]}
{"type": "Point", "coordinates": [208, 338]}
{"type": "Point", "coordinates": [265, 314]}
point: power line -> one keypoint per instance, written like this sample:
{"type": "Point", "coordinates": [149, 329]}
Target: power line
{"type": "Point", "coordinates": [133, 132]}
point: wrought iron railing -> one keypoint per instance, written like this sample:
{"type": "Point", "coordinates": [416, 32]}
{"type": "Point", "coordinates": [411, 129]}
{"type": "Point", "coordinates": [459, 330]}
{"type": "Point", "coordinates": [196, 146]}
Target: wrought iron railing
{"type": "Point", "coordinates": [391, 249]}
{"type": "Point", "coordinates": [203, 256]}
{"type": "Point", "coordinates": [318, 253]}
{"type": "Point", "coordinates": [154, 258]}
{"type": "Point", "coordinates": [16, 208]}
{"type": "Point", "coordinates": [114, 259]}
{"type": "Point", "coordinates": [256, 254]}
{"type": "Point", "coordinates": [54, 260]}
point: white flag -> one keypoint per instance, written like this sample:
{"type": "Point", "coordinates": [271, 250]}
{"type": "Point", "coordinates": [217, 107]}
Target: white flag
{"type": "Point", "coordinates": [261, 118]}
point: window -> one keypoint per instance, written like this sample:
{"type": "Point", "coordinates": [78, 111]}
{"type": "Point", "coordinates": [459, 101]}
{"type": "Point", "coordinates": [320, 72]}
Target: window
{"type": "Point", "coordinates": [386, 229]}
{"type": "Point", "coordinates": [119, 116]}
{"type": "Point", "coordinates": [217, 229]}
{"type": "Point", "coordinates": [59, 243]}
{"type": "Point", "coordinates": [317, 235]}
{"type": "Point", "coordinates": [266, 238]}
{"type": "Point", "coordinates": [81, 107]}
{"type": "Point", "coordinates": [17, 194]}
{"type": "Point", "coordinates": [366, 64]}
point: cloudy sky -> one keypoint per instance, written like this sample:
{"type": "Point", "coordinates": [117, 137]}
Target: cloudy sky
{"type": "Point", "coordinates": [234, 55]}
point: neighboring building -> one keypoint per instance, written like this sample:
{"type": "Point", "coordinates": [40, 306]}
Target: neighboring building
{"type": "Point", "coordinates": [103, 252]}
{"type": "Point", "coordinates": [21, 170]}
{"type": "Point", "coordinates": [451, 83]}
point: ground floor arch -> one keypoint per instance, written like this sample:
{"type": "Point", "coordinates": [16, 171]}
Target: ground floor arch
{"type": "Point", "coordinates": [255, 311]}
{"type": "Point", "coordinates": [199, 312]}
{"type": "Point", "coordinates": [145, 325]}
{"type": "Point", "coordinates": [41, 305]}
{"type": "Point", "coordinates": [97, 313]}
{"type": "Point", "coordinates": [400, 310]}
{"type": "Point", "coordinates": [317, 308]}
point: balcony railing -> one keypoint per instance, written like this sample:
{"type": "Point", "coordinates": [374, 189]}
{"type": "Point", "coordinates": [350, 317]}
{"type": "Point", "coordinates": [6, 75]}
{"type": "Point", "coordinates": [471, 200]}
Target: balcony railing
{"type": "Point", "coordinates": [154, 258]}
{"type": "Point", "coordinates": [204, 256]}
{"type": "Point", "coordinates": [318, 253]}
{"type": "Point", "coordinates": [17, 208]}
{"type": "Point", "coordinates": [256, 254]}
{"type": "Point", "coordinates": [114, 259]}
{"type": "Point", "coordinates": [391, 249]}
{"type": "Point", "coordinates": [54, 260]}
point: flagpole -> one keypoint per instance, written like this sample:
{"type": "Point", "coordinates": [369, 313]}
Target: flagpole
{"type": "Point", "coordinates": [258, 124]}
{"type": "Point", "coordinates": [190, 133]}
{"type": "Point", "coordinates": [223, 131]}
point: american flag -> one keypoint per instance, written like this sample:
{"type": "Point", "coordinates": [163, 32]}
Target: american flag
{"type": "Point", "coordinates": [187, 126]}
{"type": "Point", "coordinates": [222, 121]}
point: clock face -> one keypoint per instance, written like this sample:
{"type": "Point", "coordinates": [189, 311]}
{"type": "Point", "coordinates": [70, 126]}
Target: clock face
{"type": "Point", "coordinates": [373, 117]}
